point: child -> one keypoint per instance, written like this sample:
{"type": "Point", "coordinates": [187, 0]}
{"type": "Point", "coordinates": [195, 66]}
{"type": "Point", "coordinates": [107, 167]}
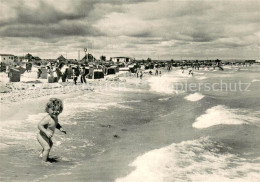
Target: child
{"type": "Point", "coordinates": [47, 126]}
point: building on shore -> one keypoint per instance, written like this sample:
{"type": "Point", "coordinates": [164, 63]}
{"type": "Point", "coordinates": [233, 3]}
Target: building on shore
{"type": "Point", "coordinates": [19, 59]}
{"type": "Point", "coordinates": [7, 58]}
{"type": "Point", "coordinates": [88, 58]}
{"type": "Point", "coordinates": [61, 59]}
{"type": "Point", "coordinates": [124, 60]}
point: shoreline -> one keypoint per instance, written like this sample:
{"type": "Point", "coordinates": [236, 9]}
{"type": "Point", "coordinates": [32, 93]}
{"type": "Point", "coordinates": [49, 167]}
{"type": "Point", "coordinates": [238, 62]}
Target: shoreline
{"type": "Point", "coordinates": [115, 161]}
{"type": "Point", "coordinates": [136, 135]}
{"type": "Point", "coordinates": [19, 108]}
{"type": "Point", "coordinates": [33, 103]}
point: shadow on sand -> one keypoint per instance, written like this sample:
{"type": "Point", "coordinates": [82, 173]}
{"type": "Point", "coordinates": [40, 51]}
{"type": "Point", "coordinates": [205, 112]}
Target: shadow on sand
{"type": "Point", "coordinates": [54, 159]}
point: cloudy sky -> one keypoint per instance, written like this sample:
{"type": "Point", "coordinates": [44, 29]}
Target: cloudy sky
{"type": "Point", "coordinates": [160, 29]}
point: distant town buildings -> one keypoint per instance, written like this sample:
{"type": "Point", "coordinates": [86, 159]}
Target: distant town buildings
{"type": "Point", "coordinates": [7, 58]}
{"type": "Point", "coordinates": [19, 59]}
{"type": "Point", "coordinates": [121, 59]}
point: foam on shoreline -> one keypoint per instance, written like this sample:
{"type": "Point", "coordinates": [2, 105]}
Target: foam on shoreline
{"type": "Point", "coordinates": [255, 80]}
{"type": "Point", "coordinates": [167, 83]}
{"type": "Point", "coordinates": [221, 114]}
{"type": "Point", "coordinates": [194, 160]}
{"type": "Point", "coordinates": [194, 97]}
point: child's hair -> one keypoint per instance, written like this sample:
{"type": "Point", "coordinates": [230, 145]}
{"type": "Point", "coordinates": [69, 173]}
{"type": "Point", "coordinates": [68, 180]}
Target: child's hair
{"type": "Point", "coordinates": [54, 105]}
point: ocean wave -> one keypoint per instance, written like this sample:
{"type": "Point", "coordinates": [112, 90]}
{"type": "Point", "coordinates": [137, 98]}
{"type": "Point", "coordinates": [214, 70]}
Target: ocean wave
{"type": "Point", "coordinates": [92, 107]}
{"type": "Point", "coordinates": [196, 160]}
{"type": "Point", "coordinates": [223, 115]}
{"type": "Point", "coordinates": [164, 99]}
{"type": "Point", "coordinates": [161, 85]}
{"type": "Point", "coordinates": [194, 97]}
{"type": "Point", "coordinates": [4, 145]}
{"type": "Point", "coordinates": [165, 83]}
{"type": "Point", "coordinates": [83, 106]}
{"type": "Point", "coordinates": [255, 80]}
{"type": "Point", "coordinates": [131, 101]}
{"type": "Point", "coordinates": [96, 102]}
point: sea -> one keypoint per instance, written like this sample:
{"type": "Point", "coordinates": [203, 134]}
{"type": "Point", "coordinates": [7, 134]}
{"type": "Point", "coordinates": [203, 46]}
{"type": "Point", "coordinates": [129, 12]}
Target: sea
{"type": "Point", "coordinates": [166, 128]}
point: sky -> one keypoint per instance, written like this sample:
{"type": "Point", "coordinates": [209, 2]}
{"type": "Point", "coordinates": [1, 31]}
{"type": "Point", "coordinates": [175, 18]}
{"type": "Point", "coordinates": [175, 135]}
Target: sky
{"type": "Point", "coordinates": [158, 29]}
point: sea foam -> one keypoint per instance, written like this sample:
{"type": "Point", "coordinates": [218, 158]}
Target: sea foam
{"type": "Point", "coordinates": [167, 82]}
{"type": "Point", "coordinates": [194, 97]}
{"type": "Point", "coordinates": [223, 115]}
{"type": "Point", "coordinates": [255, 80]}
{"type": "Point", "coordinates": [160, 84]}
{"type": "Point", "coordinates": [195, 160]}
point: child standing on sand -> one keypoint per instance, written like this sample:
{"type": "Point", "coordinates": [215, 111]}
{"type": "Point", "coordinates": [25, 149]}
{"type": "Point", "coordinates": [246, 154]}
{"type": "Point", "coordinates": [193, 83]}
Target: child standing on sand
{"type": "Point", "coordinates": [47, 126]}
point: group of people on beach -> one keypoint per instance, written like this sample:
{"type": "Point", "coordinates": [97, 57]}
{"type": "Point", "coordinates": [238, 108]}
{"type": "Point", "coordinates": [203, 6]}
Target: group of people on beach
{"type": "Point", "coordinates": [158, 72]}
{"type": "Point", "coordinates": [64, 72]}
{"type": "Point", "coordinates": [139, 73]}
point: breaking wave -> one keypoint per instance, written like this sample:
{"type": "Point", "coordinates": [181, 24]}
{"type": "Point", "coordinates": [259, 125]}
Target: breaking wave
{"type": "Point", "coordinates": [223, 115]}
{"type": "Point", "coordinates": [194, 97]}
{"type": "Point", "coordinates": [195, 160]}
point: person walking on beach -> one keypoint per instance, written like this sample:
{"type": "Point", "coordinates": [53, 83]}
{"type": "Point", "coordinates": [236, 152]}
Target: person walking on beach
{"type": "Point", "coordinates": [50, 74]}
{"type": "Point", "coordinates": [156, 71]}
{"type": "Point", "coordinates": [55, 76]}
{"type": "Point", "coordinates": [141, 74]}
{"type": "Point", "coordinates": [182, 68]}
{"type": "Point", "coordinates": [69, 72]}
{"type": "Point", "coordinates": [27, 67]}
{"type": "Point", "coordinates": [191, 72]}
{"type": "Point", "coordinates": [47, 126]}
{"type": "Point", "coordinates": [63, 69]}
{"type": "Point", "coordinates": [59, 74]}
{"type": "Point", "coordinates": [76, 74]}
{"type": "Point", "coordinates": [39, 73]}
{"type": "Point", "coordinates": [83, 75]}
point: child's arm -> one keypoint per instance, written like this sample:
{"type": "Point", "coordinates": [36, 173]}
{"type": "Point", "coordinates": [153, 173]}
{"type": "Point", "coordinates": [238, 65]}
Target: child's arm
{"type": "Point", "coordinates": [59, 127]}
{"type": "Point", "coordinates": [41, 125]}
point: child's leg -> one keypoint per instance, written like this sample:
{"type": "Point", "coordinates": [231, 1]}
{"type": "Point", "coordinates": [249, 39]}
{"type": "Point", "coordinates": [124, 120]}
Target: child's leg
{"type": "Point", "coordinates": [44, 141]}
{"type": "Point", "coordinates": [51, 144]}
{"type": "Point", "coordinates": [41, 145]}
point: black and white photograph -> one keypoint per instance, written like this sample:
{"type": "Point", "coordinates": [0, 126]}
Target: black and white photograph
{"type": "Point", "coordinates": [129, 90]}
